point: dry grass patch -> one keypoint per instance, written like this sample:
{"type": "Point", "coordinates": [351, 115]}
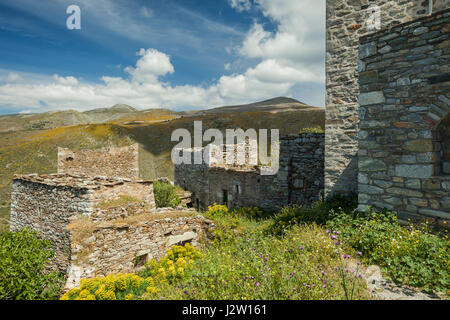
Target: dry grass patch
{"type": "Point", "coordinates": [122, 201]}
{"type": "Point", "coordinates": [80, 230]}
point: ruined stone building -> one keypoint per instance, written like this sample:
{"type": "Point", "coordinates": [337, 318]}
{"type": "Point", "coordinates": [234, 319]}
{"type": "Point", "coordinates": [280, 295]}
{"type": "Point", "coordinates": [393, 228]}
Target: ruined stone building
{"type": "Point", "coordinates": [99, 224]}
{"type": "Point", "coordinates": [299, 179]}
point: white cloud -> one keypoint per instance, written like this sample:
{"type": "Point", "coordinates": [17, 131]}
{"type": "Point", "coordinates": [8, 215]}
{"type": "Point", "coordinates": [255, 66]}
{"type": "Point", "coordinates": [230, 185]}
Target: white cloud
{"type": "Point", "coordinates": [70, 81]}
{"type": "Point", "coordinates": [294, 53]}
{"type": "Point", "coordinates": [240, 5]}
{"type": "Point", "coordinates": [13, 77]}
{"type": "Point", "coordinates": [290, 62]}
{"type": "Point", "coordinates": [152, 64]}
{"type": "Point", "coordinates": [299, 40]}
{"type": "Point", "coordinates": [145, 89]}
{"type": "Point", "coordinates": [273, 71]}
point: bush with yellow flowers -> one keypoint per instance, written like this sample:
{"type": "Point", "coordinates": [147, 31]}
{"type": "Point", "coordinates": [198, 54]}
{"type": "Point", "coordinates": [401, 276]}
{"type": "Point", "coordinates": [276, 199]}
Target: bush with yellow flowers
{"type": "Point", "coordinates": [178, 259]}
{"type": "Point", "coordinates": [216, 210]}
{"type": "Point", "coordinates": [112, 287]}
{"type": "Point", "coordinates": [250, 212]}
{"type": "Point", "coordinates": [146, 285]}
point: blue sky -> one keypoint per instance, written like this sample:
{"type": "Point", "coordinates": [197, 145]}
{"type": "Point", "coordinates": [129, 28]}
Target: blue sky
{"type": "Point", "coordinates": [178, 54]}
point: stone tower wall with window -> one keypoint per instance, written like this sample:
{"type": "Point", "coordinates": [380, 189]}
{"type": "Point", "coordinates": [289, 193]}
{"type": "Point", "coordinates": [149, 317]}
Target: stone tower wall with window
{"type": "Point", "coordinates": [347, 21]}
{"type": "Point", "coordinates": [404, 131]}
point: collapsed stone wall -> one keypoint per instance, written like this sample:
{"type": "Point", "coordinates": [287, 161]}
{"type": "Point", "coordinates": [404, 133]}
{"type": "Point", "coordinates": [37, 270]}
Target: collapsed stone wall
{"type": "Point", "coordinates": [119, 211]}
{"type": "Point", "coordinates": [404, 119]}
{"type": "Point", "coordinates": [299, 179]}
{"type": "Point", "coordinates": [120, 162]}
{"type": "Point", "coordinates": [120, 247]}
{"type": "Point", "coordinates": [140, 190]}
{"type": "Point", "coordinates": [346, 23]}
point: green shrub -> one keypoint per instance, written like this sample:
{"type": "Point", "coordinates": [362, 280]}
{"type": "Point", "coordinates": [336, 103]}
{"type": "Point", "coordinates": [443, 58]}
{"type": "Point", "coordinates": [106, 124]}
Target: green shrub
{"type": "Point", "coordinates": [317, 213]}
{"type": "Point", "coordinates": [23, 258]}
{"type": "Point", "coordinates": [252, 213]}
{"type": "Point", "coordinates": [165, 195]}
{"type": "Point", "coordinates": [317, 129]}
{"type": "Point", "coordinates": [226, 223]}
{"type": "Point", "coordinates": [409, 255]}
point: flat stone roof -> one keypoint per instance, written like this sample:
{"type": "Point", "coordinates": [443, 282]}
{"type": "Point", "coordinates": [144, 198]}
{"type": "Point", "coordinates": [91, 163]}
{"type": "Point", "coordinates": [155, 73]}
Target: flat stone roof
{"type": "Point", "coordinates": [68, 180]}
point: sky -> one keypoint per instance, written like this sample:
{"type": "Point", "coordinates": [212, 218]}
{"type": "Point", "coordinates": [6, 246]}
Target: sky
{"type": "Point", "coordinates": [176, 54]}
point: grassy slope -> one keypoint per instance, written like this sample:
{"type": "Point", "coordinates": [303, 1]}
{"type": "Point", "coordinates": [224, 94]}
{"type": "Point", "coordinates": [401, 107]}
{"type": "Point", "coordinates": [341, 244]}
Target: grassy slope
{"type": "Point", "coordinates": [57, 119]}
{"type": "Point", "coordinates": [35, 151]}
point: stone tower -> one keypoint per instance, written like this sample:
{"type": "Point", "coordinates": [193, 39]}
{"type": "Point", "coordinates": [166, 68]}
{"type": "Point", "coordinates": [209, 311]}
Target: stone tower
{"type": "Point", "coordinates": [347, 21]}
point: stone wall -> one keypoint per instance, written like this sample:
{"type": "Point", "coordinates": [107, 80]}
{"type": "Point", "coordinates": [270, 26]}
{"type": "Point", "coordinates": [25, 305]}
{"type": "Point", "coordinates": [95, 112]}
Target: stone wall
{"type": "Point", "coordinates": [121, 247]}
{"type": "Point", "coordinates": [303, 156]}
{"type": "Point", "coordinates": [48, 209]}
{"type": "Point", "coordinates": [346, 23]}
{"type": "Point", "coordinates": [239, 188]}
{"type": "Point", "coordinates": [194, 178]}
{"type": "Point", "coordinates": [120, 162]}
{"type": "Point", "coordinates": [404, 118]}
{"type": "Point", "coordinates": [92, 237]}
{"type": "Point", "coordinates": [299, 178]}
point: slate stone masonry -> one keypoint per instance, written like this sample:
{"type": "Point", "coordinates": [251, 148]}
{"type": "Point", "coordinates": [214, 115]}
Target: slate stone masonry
{"type": "Point", "coordinates": [120, 162]}
{"type": "Point", "coordinates": [404, 130]}
{"type": "Point", "coordinates": [346, 23]}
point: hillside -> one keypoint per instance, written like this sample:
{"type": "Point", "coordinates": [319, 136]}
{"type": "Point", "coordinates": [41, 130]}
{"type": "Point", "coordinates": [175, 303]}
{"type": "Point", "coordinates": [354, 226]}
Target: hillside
{"type": "Point", "coordinates": [279, 104]}
{"type": "Point", "coordinates": [118, 113]}
{"type": "Point", "coordinates": [36, 150]}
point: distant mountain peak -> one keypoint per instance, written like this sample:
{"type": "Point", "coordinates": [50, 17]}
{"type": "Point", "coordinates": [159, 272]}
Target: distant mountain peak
{"type": "Point", "coordinates": [271, 105]}
{"type": "Point", "coordinates": [279, 100]}
{"type": "Point", "coordinates": [123, 107]}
